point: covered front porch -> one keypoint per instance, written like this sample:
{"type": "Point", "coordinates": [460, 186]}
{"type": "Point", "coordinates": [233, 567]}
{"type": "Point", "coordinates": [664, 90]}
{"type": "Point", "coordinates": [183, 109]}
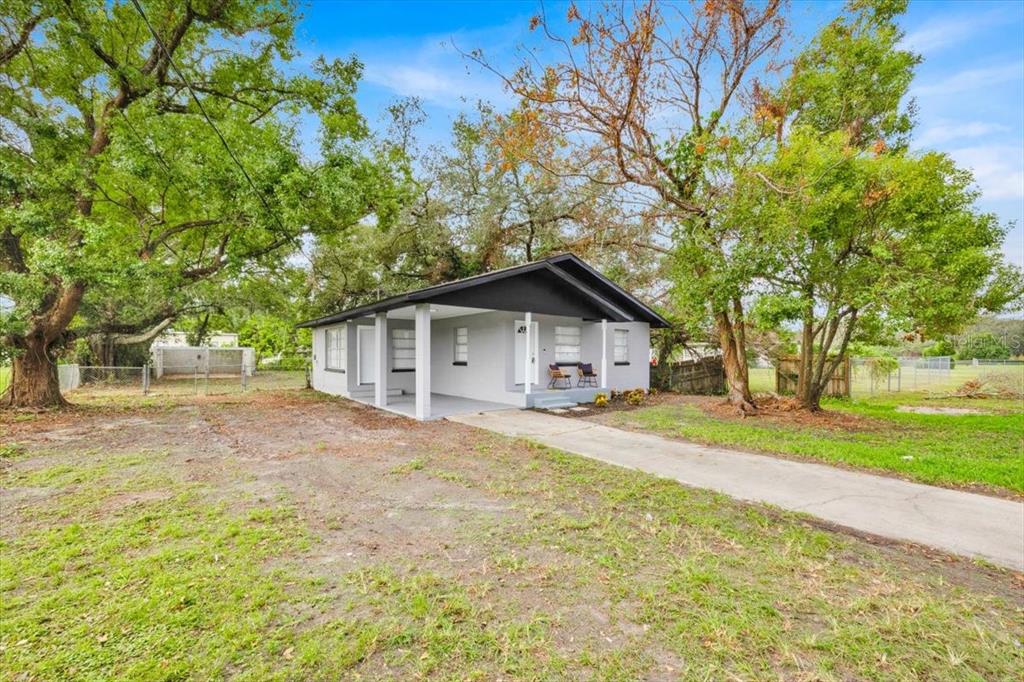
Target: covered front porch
{"type": "Point", "coordinates": [430, 361]}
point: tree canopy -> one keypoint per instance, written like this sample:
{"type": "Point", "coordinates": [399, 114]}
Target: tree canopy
{"type": "Point", "coordinates": [151, 146]}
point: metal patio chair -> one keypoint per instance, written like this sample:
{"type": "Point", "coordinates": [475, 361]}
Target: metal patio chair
{"type": "Point", "coordinates": [587, 375]}
{"type": "Point", "coordinates": [556, 374]}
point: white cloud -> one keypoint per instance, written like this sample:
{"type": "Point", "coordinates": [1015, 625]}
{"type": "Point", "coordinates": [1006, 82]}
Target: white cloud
{"type": "Point", "coordinates": [433, 68]}
{"type": "Point", "coordinates": [971, 79]}
{"type": "Point", "coordinates": [998, 169]}
{"type": "Point", "coordinates": [944, 131]}
{"type": "Point", "coordinates": [942, 32]}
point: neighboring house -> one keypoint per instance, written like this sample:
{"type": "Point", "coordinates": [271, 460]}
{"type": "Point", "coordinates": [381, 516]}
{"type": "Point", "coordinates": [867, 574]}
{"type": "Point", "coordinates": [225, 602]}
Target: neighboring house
{"type": "Point", "coordinates": [180, 339]}
{"type": "Point", "coordinates": [486, 342]}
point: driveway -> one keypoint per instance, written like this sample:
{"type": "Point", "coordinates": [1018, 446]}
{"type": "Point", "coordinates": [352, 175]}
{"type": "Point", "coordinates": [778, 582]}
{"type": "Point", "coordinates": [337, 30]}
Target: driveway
{"type": "Point", "coordinates": [958, 522]}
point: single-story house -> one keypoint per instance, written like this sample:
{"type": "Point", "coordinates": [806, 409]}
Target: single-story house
{"type": "Point", "coordinates": [487, 342]}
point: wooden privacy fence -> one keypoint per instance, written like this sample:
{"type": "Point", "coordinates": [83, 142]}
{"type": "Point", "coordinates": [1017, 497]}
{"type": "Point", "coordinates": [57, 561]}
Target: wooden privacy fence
{"type": "Point", "coordinates": [787, 374]}
{"type": "Point", "coordinates": [698, 377]}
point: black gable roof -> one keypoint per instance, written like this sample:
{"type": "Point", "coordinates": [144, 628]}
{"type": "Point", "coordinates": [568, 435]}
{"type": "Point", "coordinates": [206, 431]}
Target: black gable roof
{"type": "Point", "coordinates": [558, 285]}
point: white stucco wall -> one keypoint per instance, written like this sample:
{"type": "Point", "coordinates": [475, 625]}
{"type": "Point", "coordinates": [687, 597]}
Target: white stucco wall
{"type": "Point", "coordinates": [490, 371]}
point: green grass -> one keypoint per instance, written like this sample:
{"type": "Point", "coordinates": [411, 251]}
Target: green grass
{"type": "Point", "coordinates": [939, 449]}
{"type": "Point", "coordinates": [123, 567]}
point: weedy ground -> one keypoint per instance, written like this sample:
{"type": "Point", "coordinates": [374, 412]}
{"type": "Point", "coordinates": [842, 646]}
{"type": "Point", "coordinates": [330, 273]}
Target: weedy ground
{"type": "Point", "coordinates": [285, 535]}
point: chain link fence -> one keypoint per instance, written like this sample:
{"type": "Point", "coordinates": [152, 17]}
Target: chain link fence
{"type": "Point", "coordinates": [211, 379]}
{"type": "Point", "coordinates": [879, 376]}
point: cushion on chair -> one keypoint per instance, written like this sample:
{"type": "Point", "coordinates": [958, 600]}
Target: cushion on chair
{"type": "Point", "coordinates": [586, 368]}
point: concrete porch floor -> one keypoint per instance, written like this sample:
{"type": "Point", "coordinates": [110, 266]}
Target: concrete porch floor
{"type": "Point", "coordinates": [441, 405]}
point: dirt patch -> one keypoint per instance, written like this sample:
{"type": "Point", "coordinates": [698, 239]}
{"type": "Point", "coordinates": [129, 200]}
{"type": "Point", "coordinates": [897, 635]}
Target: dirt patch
{"type": "Point", "coordinates": [926, 409]}
{"type": "Point", "coordinates": [788, 411]}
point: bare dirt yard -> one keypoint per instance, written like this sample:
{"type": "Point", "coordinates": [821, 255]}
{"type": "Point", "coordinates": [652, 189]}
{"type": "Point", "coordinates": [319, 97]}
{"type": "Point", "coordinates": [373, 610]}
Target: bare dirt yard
{"type": "Point", "coordinates": [286, 535]}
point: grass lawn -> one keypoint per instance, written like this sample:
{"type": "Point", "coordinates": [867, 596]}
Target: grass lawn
{"type": "Point", "coordinates": [958, 450]}
{"type": "Point", "coordinates": [282, 535]}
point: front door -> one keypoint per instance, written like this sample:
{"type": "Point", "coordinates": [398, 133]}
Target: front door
{"type": "Point", "coordinates": [521, 351]}
{"type": "Point", "coordinates": [367, 363]}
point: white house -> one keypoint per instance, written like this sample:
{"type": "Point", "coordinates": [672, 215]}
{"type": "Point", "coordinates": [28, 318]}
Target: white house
{"type": "Point", "coordinates": [487, 342]}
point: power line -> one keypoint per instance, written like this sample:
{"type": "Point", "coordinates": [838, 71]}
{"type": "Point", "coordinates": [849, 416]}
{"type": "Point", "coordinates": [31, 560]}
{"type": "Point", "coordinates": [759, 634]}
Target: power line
{"type": "Point", "coordinates": [202, 110]}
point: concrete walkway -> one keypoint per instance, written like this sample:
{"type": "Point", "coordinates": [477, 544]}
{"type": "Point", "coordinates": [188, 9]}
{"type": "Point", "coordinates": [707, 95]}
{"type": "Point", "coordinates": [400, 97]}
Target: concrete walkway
{"type": "Point", "coordinates": [959, 522]}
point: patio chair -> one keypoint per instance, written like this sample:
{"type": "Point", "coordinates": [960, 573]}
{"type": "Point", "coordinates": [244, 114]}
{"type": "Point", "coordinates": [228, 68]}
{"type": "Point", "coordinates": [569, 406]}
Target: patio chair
{"type": "Point", "coordinates": [587, 375]}
{"type": "Point", "coordinates": [556, 374]}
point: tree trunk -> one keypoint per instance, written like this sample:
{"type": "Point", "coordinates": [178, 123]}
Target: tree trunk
{"type": "Point", "coordinates": [34, 381]}
{"type": "Point", "coordinates": [734, 361]}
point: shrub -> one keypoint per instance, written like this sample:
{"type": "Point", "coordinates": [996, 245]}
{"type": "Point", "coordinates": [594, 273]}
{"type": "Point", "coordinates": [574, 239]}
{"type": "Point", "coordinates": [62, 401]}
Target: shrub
{"type": "Point", "coordinates": [601, 400]}
{"type": "Point", "coordinates": [636, 396]}
{"type": "Point", "coordinates": [289, 363]}
{"type": "Point", "coordinates": [984, 346]}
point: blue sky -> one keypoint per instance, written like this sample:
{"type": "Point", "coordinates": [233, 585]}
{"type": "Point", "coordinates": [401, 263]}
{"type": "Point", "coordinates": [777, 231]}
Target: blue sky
{"type": "Point", "coordinates": [969, 89]}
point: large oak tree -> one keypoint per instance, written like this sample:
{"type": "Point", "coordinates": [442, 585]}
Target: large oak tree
{"type": "Point", "coordinates": [151, 146]}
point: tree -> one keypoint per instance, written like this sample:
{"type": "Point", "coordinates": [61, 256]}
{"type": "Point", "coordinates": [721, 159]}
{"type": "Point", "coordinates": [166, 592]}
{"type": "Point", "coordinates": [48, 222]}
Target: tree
{"type": "Point", "coordinates": [860, 233]}
{"type": "Point", "coordinates": [642, 91]}
{"type": "Point", "coordinates": [153, 143]}
{"type": "Point", "coordinates": [983, 346]}
{"type": "Point", "coordinates": [482, 203]}
{"type": "Point", "coordinates": [890, 239]}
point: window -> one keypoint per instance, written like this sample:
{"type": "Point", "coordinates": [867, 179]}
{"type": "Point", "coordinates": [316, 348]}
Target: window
{"type": "Point", "coordinates": [567, 345]}
{"type": "Point", "coordinates": [621, 347]}
{"type": "Point", "coordinates": [335, 355]}
{"type": "Point", "coordinates": [461, 356]}
{"type": "Point", "coordinates": [403, 350]}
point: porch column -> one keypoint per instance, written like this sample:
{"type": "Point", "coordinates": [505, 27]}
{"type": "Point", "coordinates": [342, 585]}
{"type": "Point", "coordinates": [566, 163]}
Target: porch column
{"type": "Point", "coordinates": [604, 353]}
{"type": "Point", "coordinates": [380, 354]}
{"type": "Point", "coordinates": [422, 361]}
{"type": "Point", "coordinates": [527, 374]}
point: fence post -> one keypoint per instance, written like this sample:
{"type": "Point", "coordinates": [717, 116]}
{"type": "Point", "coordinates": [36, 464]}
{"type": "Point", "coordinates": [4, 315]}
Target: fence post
{"type": "Point", "coordinates": [145, 379]}
{"type": "Point", "coordinates": [195, 380]}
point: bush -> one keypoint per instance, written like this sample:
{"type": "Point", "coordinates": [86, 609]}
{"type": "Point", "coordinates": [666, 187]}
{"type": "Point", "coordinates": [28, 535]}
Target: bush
{"type": "Point", "coordinates": [940, 348]}
{"type": "Point", "coordinates": [600, 400]}
{"type": "Point", "coordinates": [984, 346]}
{"type": "Point", "coordinates": [290, 363]}
{"type": "Point", "coordinates": [636, 396]}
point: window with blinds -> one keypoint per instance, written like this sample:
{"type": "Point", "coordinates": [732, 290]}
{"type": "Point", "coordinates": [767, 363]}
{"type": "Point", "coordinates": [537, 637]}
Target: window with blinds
{"type": "Point", "coordinates": [567, 345]}
{"type": "Point", "coordinates": [621, 347]}
{"type": "Point", "coordinates": [334, 355]}
{"type": "Point", "coordinates": [403, 350]}
{"type": "Point", "coordinates": [461, 354]}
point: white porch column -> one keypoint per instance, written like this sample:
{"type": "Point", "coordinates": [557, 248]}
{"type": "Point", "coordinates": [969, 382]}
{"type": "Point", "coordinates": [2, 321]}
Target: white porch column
{"type": "Point", "coordinates": [380, 354]}
{"type": "Point", "coordinates": [422, 361]}
{"type": "Point", "coordinates": [604, 353]}
{"type": "Point", "coordinates": [528, 374]}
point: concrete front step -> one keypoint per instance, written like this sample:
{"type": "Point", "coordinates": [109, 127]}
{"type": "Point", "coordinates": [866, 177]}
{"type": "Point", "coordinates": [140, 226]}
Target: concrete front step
{"type": "Point", "coordinates": [368, 392]}
{"type": "Point", "coordinates": [553, 402]}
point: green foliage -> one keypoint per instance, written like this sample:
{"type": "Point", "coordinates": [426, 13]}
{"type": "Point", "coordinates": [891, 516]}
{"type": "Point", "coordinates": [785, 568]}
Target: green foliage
{"type": "Point", "coordinates": [983, 346]}
{"type": "Point", "coordinates": [113, 181]}
{"type": "Point", "coordinates": [271, 336]}
{"type": "Point", "coordinates": [941, 348]}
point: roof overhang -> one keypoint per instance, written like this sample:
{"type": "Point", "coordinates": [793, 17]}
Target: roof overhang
{"type": "Point", "coordinates": [560, 285]}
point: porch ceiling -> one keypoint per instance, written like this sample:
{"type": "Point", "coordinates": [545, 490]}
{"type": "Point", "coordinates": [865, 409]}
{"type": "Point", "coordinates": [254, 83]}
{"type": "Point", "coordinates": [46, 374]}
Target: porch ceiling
{"type": "Point", "coordinates": [437, 312]}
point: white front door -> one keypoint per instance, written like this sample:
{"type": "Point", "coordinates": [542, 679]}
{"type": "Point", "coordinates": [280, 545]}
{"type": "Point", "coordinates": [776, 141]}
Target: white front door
{"type": "Point", "coordinates": [367, 362]}
{"type": "Point", "coordinates": [521, 351]}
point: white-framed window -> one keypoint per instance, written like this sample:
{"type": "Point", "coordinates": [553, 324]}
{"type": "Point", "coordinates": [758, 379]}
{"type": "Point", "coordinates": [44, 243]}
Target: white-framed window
{"type": "Point", "coordinates": [567, 345]}
{"type": "Point", "coordinates": [334, 353]}
{"type": "Point", "coordinates": [461, 354]}
{"type": "Point", "coordinates": [403, 350]}
{"type": "Point", "coordinates": [621, 347]}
